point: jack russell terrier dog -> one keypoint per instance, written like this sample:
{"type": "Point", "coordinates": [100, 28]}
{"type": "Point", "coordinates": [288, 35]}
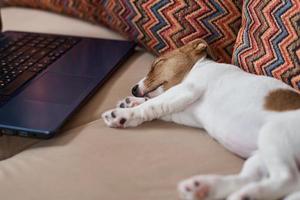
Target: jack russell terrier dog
{"type": "Point", "coordinates": [255, 117]}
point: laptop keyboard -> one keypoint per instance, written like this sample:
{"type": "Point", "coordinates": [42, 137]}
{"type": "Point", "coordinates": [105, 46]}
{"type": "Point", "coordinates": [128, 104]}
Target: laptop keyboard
{"type": "Point", "coordinates": [24, 58]}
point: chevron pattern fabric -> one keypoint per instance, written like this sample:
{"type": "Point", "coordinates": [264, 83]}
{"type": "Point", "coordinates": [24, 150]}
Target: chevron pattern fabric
{"type": "Point", "coordinates": [159, 25]}
{"type": "Point", "coordinates": [163, 25]}
{"type": "Point", "coordinates": [269, 40]}
{"type": "Point", "coordinates": [84, 9]}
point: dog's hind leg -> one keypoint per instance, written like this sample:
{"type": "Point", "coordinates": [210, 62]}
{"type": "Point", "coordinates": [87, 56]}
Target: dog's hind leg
{"type": "Point", "coordinates": [220, 187]}
{"type": "Point", "coordinates": [276, 148]}
{"type": "Point", "coordinates": [173, 100]}
{"type": "Point", "coordinates": [293, 196]}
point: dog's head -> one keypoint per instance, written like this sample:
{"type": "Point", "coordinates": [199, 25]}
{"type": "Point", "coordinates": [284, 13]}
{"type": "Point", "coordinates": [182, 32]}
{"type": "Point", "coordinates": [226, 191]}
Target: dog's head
{"type": "Point", "coordinates": [170, 69]}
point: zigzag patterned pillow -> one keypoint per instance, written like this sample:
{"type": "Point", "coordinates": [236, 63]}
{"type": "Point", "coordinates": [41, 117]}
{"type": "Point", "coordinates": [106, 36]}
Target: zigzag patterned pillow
{"type": "Point", "coordinates": [159, 25]}
{"type": "Point", "coordinates": [90, 10]}
{"type": "Point", "coordinates": [269, 40]}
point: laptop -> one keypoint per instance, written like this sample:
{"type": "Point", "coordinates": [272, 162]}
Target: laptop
{"type": "Point", "coordinates": [45, 78]}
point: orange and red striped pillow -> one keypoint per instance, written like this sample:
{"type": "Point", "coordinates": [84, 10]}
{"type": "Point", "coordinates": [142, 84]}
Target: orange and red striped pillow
{"type": "Point", "coordinates": [160, 26]}
{"type": "Point", "coordinates": [269, 40]}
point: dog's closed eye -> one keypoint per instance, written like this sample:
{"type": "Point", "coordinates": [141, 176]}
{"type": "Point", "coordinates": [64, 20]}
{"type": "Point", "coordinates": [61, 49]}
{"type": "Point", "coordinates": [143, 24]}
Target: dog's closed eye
{"type": "Point", "coordinates": [158, 61]}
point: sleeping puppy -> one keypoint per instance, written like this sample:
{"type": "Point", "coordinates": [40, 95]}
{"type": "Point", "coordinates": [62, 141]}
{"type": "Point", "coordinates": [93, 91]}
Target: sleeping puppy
{"type": "Point", "coordinates": [255, 117]}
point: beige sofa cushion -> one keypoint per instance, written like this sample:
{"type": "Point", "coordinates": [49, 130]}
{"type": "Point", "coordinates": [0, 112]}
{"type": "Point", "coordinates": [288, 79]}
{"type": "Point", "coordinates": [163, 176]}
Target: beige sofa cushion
{"type": "Point", "coordinates": [41, 21]}
{"type": "Point", "coordinates": [94, 162]}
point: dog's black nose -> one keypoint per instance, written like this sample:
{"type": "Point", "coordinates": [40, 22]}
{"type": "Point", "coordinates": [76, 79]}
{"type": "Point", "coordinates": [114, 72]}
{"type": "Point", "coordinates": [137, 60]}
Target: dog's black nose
{"type": "Point", "coordinates": [135, 90]}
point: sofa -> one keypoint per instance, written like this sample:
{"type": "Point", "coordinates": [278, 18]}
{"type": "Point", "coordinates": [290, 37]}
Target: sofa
{"type": "Point", "coordinates": [88, 160]}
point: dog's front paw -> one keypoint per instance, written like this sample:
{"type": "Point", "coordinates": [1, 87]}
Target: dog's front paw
{"type": "Point", "coordinates": [130, 102]}
{"type": "Point", "coordinates": [121, 118]}
{"type": "Point", "coordinates": [193, 189]}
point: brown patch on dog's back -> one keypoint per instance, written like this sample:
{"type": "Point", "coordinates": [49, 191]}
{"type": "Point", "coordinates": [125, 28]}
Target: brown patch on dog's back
{"type": "Point", "coordinates": [282, 100]}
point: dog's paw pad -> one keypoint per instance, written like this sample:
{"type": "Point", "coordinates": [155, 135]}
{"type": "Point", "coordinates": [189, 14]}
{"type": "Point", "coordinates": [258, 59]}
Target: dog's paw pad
{"type": "Point", "coordinates": [127, 100]}
{"type": "Point", "coordinates": [122, 105]}
{"type": "Point", "coordinates": [122, 121]}
{"type": "Point", "coordinates": [130, 102]}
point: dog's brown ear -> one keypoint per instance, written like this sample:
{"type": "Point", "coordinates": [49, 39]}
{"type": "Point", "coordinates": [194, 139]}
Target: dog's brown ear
{"type": "Point", "coordinates": [200, 45]}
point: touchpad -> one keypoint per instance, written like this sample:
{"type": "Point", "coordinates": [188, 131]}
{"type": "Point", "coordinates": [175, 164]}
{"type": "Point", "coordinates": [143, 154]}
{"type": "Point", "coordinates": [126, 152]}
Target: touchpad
{"type": "Point", "coordinates": [57, 88]}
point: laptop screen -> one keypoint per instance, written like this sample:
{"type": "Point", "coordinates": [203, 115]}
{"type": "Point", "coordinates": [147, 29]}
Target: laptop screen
{"type": "Point", "coordinates": [0, 21]}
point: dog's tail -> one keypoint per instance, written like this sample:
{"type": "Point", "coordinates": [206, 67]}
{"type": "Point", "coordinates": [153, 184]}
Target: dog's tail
{"type": "Point", "coordinates": [279, 147]}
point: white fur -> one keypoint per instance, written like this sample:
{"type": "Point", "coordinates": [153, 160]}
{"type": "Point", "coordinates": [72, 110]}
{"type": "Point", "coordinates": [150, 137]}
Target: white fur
{"type": "Point", "coordinates": [229, 104]}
